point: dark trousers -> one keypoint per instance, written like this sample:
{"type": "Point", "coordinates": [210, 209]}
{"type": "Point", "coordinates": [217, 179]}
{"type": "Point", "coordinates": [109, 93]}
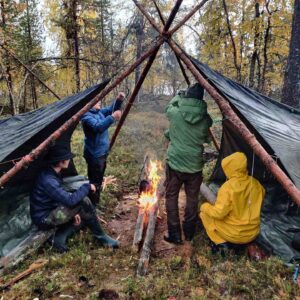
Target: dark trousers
{"type": "Point", "coordinates": [174, 182]}
{"type": "Point", "coordinates": [96, 169]}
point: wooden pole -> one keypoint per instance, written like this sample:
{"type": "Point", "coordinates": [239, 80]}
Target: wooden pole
{"type": "Point", "coordinates": [28, 69]}
{"type": "Point", "coordinates": [132, 97]}
{"type": "Point", "coordinates": [187, 80]}
{"type": "Point", "coordinates": [143, 75]}
{"type": "Point", "coordinates": [35, 153]}
{"type": "Point", "coordinates": [178, 60]}
{"type": "Point", "coordinates": [240, 127]}
{"type": "Point", "coordinates": [227, 111]}
{"type": "Point", "coordinates": [187, 17]}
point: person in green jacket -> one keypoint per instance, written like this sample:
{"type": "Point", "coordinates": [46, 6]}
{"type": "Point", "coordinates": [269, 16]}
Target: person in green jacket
{"type": "Point", "coordinates": [188, 131]}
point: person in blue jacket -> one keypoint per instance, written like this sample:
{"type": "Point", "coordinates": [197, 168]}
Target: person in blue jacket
{"type": "Point", "coordinates": [51, 206]}
{"type": "Point", "coordinates": [95, 125]}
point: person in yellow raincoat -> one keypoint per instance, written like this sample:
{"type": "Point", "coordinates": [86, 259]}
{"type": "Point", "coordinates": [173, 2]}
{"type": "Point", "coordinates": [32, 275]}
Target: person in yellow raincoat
{"type": "Point", "coordinates": [235, 216]}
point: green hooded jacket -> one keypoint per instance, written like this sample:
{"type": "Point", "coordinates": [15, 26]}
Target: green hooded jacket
{"type": "Point", "coordinates": [188, 131]}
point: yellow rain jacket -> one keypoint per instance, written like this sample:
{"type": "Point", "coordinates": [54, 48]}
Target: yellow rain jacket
{"type": "Point", "coordinates": [235, 216]}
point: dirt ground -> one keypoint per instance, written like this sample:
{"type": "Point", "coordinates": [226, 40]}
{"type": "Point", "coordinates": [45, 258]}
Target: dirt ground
{"type": "Point", "coordinates": [123, 226]}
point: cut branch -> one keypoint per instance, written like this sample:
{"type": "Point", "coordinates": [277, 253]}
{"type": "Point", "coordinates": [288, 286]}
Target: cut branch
{"type": "Point", "coordinates": [28, 69]}
{"type": "Point", "coordinates": [72, 58]}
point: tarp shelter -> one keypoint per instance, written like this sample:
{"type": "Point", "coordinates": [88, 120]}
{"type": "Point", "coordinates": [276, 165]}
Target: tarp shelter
{"type": "Point", "coordinates": [277, 128]}
{"type": "Point", "coordinates": [18, 136]}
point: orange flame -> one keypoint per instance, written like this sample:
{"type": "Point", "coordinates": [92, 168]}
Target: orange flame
{"type": "Point", "coordinates": [149, 198]}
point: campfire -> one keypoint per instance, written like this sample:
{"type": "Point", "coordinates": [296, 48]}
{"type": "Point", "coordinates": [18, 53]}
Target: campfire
{"type": "Point", "coordinates": [148, 203]}
{"type": "Point", "coordinates": [148, 187]}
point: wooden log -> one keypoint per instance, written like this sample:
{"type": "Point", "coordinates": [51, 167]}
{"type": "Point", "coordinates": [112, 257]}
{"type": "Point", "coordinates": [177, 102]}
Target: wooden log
{"type": "Point", "coordinates": [207, 193]}
{"type": "Point", "coordinates": [139, 229]}
{"type": "Point", "coordinates": [33, 267]}
{"type": "Point", "coordinates": [143, 265]}
{"type": "Point", "coordinates": [27, 246]}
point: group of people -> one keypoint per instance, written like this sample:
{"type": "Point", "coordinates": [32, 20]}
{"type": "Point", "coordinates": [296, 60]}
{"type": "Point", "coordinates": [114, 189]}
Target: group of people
{"type": "Point", "coordinates": [233, 218]}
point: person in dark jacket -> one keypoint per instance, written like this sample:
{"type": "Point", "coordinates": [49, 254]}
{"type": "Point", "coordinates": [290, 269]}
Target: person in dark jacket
{"type": "Point", "coordinates": [51, 206]}
{"type": "Point", "coordinates": [188, 131]}
{"type": "Point", "coordinates": [95, 125]}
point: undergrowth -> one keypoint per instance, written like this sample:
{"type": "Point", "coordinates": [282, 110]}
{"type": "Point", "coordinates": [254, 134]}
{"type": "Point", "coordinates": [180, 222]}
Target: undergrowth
{"type": "Point", "coordinates": [87, 269]}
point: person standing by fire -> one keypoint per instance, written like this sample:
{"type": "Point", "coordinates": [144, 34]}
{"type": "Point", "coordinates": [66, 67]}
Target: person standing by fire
{"type": "Point", "coordinates": [188, 131]}
{"type": "Point", "coordinates": [95, 125]}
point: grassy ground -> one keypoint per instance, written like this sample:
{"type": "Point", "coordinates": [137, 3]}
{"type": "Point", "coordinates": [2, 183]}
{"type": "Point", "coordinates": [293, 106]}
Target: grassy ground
{"type": "Point", "coordinates": [87, 270]}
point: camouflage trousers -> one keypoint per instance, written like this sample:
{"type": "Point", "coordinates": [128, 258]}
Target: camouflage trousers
{"type": "Point", "coordinates": [63, 214]}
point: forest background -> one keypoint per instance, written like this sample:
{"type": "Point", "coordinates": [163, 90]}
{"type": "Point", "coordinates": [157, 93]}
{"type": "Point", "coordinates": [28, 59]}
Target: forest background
{"type": "Point", "coordinates": [72, 44]}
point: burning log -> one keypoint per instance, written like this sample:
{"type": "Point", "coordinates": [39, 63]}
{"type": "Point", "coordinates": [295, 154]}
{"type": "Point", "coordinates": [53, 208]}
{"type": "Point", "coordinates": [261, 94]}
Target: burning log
{"type": "Point", "coordinates": [146, 250]}
{"type": "Point", "coordinates": [139, 229]}
{"type": "Point", "coordinates": [148, 209]}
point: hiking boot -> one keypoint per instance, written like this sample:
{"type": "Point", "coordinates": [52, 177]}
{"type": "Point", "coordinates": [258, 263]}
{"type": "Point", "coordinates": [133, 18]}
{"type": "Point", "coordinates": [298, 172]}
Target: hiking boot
{"type": "Point", "coordinates": [189, 231]}
{"type": "Point", "coordinates": [174, 238]}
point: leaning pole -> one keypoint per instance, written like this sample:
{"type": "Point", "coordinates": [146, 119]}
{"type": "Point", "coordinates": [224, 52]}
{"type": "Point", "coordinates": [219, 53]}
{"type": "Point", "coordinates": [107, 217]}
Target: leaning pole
{"type": "Point", "coordinates": [226, 110]}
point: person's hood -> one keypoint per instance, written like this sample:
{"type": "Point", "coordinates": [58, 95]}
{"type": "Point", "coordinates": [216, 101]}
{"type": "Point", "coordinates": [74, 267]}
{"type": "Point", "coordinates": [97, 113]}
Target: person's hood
{"type": "Point", "coordinates": [192, 110]}
{"type": "Point", "coordinates": [235, 165]}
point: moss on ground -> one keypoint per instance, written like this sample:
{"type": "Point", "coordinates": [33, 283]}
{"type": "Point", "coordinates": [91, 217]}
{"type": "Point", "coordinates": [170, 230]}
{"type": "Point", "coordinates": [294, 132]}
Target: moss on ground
{"type": "Point", "coordinates": [87, 269]}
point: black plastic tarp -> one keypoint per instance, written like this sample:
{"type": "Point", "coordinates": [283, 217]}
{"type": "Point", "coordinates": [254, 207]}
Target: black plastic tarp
{"type": "Point", "coordinates": [22, 133]}
{"type": "Point", "coordinates": [18, 136]}
{"type": "Point", "coordinates": [277, 128]}
{"type": "Point", "coordinates": [276, 123]}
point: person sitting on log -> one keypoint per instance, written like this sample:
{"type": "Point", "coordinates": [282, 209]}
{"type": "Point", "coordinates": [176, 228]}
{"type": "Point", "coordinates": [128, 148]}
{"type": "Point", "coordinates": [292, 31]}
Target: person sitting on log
{"type": "Point", "coordinates": [235, 216]}
{"type": "Point", "coordinates": [51, 206]}
{"type": "Point", "coordinates": [95, 125]}
{"type": "Point", "coordinates": [188, 131]}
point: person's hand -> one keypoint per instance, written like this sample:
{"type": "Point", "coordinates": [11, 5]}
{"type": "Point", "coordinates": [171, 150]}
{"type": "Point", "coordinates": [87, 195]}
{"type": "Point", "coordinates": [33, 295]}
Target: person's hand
{"type": "Point", "coordinates": [93, 188]}
{"type": "Point", "coordinates": [77, 220]}
{"type": "Point", "coordinates": [121, 96]}
{"type": "Point", "coordinates": [117, 115]}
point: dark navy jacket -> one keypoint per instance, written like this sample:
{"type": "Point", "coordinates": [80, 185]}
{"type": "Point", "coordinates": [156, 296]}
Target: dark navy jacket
{"type": "Point", "coordinates": [48, 193]}
{"type": "Point", "coordinates": [95, 125]}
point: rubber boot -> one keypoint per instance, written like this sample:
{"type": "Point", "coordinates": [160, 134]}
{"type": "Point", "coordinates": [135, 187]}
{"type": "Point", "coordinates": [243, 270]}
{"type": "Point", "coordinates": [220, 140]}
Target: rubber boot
{"type": "Point", "coordinates": [104, 239]}
{"type": "Point", "coordinates": [61, 236]}
{"type": "Point", "coordinates": [189, 230]}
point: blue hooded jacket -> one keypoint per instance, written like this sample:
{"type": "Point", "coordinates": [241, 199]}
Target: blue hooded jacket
{"type": "Point", "coordinates": [95, 125]}
{"type": "Point", "coordinates": [48, 193]}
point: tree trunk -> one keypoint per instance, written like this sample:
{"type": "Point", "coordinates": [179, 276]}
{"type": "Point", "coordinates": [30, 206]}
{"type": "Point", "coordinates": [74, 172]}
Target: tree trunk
{"type": "Point", "coordinates": [235, 55]}
{"type": "Point", "coordinates": [8, 76]}
{"type": "Point", "coordinates": [76, 45]}
{"type": "Point", "coordinates": [29, 53]}
{"type": "Point", "coordinates": [255, 54]}
{"type": "Point", "coordinates": [139, 31]}
{"type": "Point", "coordinates": [291, 86]}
